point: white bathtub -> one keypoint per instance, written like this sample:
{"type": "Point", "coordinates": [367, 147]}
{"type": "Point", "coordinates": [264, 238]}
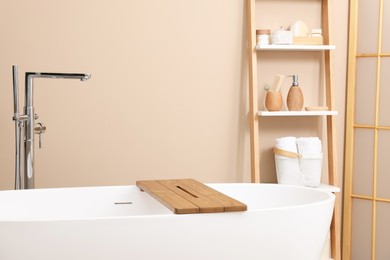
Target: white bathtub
{"type": "Point", "coordinates": [282, 222]}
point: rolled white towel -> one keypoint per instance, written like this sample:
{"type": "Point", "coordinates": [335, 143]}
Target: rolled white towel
{"type": "Point", "coordinates": [287, 143]}
{"type": "Point", "coordinates": [309, 145]}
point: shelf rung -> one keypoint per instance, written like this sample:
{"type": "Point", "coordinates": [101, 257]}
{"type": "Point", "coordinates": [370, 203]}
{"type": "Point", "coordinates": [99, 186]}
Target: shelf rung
{"type": "Point", "coordinates": [293, 47]}
{"type": "Point", "coordinates": [298, 113]}
{"type": "Point", "coordinates": [327, 187]}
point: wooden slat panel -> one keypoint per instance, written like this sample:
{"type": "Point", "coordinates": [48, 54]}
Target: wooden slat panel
{"type": "Point", "coordinates": [229, 203]}
{"type": "Point", "coordinates": [168, 198]}
{"type": "Point", "coordinates": [205, 204]}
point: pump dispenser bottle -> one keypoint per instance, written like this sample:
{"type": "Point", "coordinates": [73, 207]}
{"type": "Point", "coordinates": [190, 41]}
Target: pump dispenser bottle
{"type": "Point", "coordinates": [295, 96]}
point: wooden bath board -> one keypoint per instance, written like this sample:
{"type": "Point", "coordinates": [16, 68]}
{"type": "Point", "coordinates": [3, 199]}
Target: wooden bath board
{"type": "Point", "coordinates": [188, 196]}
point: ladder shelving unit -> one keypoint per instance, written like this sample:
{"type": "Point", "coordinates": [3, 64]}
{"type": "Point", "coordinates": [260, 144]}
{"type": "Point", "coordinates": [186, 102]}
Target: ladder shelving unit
{"type": "Point", "coordinates": [255, 114]}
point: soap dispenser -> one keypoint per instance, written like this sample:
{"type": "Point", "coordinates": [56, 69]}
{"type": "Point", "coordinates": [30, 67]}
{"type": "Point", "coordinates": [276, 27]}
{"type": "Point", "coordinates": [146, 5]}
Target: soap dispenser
{"type": "Point", "coordinates": [295, 96]}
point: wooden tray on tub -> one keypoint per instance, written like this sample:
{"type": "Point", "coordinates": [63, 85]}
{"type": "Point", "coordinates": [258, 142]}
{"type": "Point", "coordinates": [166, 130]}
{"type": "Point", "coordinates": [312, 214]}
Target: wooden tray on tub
{"type": "Point", "coordinates": [188, 196]}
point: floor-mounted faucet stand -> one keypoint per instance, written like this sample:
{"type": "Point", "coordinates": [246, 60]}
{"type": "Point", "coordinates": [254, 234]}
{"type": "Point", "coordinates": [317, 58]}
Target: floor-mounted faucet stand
{"type": "Point", "coordinates": [26, 126]}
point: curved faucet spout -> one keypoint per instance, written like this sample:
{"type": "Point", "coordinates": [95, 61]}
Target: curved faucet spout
{"type": "Point", "coordinates": [31, 75]}
{"type": "Point", "coordinates": [80, 76]}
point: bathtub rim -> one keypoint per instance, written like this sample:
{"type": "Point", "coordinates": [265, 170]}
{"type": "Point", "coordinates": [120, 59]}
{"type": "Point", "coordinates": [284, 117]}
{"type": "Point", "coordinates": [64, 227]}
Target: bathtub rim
{"type": "Point", "coordinates": [330, 197]}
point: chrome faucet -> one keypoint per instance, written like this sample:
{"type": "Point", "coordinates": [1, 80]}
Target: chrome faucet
{"type": "Point", "coordinates": [25, 126]}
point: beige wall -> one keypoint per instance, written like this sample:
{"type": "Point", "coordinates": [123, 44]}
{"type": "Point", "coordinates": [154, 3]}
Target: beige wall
{"type": "Point", "coordinates": [168, 93]}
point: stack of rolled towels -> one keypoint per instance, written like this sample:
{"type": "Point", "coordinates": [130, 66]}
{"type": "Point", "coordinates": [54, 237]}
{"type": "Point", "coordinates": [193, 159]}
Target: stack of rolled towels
{"type": "Point", "coordinates": [298, 161]}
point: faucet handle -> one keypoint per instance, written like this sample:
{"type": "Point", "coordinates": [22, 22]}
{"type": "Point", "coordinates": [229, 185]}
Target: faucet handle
{"type": "Point", "coordinates": [40, 129]}
{"type": "Point", "coordinates": [40, 141]}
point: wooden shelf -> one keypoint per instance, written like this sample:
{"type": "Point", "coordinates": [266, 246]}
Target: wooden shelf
{"type": "Point", "coordinates": [292, 47]}
{"type": "Point", "coordinates": [297, 113]}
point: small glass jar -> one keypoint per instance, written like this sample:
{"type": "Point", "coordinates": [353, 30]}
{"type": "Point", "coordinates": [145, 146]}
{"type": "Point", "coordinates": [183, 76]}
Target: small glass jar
{"type": "Point", "coordinates": [262, 36]}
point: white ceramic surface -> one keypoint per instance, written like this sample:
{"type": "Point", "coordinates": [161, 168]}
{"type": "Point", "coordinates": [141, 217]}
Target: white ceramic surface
{"type": "Point", "coordinates": [282, 222]}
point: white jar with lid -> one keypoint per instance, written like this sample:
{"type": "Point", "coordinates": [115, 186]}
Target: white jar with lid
{"type": "Point", "coordinates": [262, 36]}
